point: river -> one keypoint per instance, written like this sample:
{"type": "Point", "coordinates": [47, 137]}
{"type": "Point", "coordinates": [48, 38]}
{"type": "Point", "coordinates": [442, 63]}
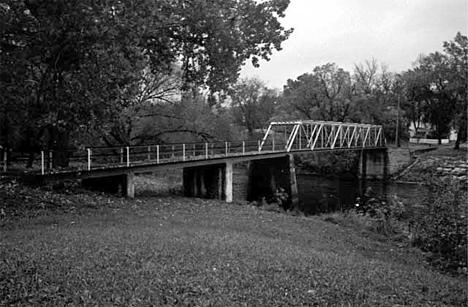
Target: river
{"type": "Point", "coordinates": [319, 194]}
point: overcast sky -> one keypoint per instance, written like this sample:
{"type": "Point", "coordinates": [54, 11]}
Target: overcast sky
{"type": "Point", "coordinates": [348, 32]}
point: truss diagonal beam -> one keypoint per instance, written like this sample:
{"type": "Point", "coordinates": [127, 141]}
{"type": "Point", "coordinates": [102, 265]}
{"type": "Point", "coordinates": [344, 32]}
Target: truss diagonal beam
{"type": "Point", "coordinates": [313, 135]}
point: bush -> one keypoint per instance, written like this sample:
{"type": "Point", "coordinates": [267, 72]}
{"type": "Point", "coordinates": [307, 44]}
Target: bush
{"type": "Point", "coordinates": [329, 163]}
{"type": "Point", "coordinates": [382, 216]}
{"type": "Point", "coordinates": [439, 225]}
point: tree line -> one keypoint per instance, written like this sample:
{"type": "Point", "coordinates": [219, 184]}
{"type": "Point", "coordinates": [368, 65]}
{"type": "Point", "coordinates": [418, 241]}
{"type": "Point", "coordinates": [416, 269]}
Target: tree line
{"type": "Point", "coordinates": [130, 72]}
{"type": "Point", "coordinates": [433, 91]}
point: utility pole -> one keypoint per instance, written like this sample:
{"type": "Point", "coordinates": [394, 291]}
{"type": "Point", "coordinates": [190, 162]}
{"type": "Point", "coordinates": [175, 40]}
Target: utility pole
{"type": "Point", "coordinates": [397, 137]}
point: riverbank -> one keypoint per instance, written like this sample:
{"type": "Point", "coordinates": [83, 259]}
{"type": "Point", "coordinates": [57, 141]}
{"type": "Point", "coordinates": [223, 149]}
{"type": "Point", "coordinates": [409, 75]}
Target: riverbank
{"type": "Point", "coordinates": [79, 248]}
{"type": "Point", "coordinates": [436, 162]}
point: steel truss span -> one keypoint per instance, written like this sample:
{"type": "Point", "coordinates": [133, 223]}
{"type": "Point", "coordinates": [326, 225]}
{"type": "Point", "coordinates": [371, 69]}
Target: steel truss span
{"type": "Point", "coordinates": [317, 135]}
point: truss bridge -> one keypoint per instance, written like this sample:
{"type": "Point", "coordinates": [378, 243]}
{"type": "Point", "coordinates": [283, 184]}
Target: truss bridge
{"type": "Point", "coordinates": [208, 167]}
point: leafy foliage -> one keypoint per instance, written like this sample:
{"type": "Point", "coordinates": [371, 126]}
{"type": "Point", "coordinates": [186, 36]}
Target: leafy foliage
{"type": "Point", "coordinates": [70, 66]}
{"type": "Point", "coordinates": [457, 53]}
{"type": "Point", "coordinates": [324, 94]}
{"type": "Point", "coordinates": [441, 225]}
{"type": "Point", "coordinates": [253, 104]}
{"type": "Point", "coordinates": [328, 164]}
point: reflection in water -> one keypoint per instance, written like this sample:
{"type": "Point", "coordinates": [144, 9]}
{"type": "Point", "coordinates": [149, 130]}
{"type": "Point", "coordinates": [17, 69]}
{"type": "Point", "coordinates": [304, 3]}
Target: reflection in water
{"type": "Point", "coordinates": [319, 194]}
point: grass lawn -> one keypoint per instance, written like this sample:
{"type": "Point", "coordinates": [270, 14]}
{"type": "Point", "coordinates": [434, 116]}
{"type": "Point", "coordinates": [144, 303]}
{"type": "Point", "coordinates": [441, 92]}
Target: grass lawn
{"type": "Point", "coordinates": [93, 250]}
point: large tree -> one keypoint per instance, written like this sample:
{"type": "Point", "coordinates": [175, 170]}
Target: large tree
{"type": "Point", "coordinates": [434, 82]}
{"type": "Point", "coordinates": [68, 63]}
{"type": "Point", "coordinates": [324, 94]}
{"type": "Point", "coordinates": [253, 104]}
{"type": "Point", "coordinates": [457, 53]}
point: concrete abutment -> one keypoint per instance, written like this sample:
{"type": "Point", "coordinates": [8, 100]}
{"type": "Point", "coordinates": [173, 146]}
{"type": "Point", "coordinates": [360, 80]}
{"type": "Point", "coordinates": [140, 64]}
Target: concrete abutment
{"type": "Point", "coordinates": [373, 164]}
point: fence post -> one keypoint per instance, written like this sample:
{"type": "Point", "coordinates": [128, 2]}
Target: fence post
{"type": "Point", "coordinates": [128, 156]}
{"type": "Point", "coordinates": [149, 153]}
{"type": "Point", "coordinates": [206, 150]}
{"type": "Point", "coordinates": [183, 152]}
{"type": "Point", "coordinates": [42, 162]}
{"type": "Point", "coordinates": [89, 159]}
{"type": "Point", "coordinates": [157, 154]}
{"type": "Point", "coordinates": [243, 147]}
{"type": "Point", "coordinates": [226, 148]}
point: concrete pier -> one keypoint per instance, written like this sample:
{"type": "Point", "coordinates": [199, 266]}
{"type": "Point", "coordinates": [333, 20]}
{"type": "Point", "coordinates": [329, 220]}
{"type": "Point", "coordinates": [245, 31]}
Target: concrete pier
{"type": "Point", "coordinates": [373, 164]}
{"type": "Point", "coordinates": [261, 178]}
{"type": "Point", "coordinates": [209, 181]}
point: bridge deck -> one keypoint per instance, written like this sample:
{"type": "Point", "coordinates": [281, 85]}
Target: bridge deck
{"type": "Point", "coordinates": [280, 138]}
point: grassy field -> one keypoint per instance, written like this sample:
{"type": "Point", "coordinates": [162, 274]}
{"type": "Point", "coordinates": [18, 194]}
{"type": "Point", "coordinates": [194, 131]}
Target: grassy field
{"type": "Point", "coordinates": [83, 249]}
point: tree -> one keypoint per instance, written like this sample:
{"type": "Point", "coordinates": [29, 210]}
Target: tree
{"type": "Point", "coordinates": [70, 63]}
{"type": "Point", "coordinates": [457, 52]}
{"type": "Point", "coordinates": [378, 99]}
{"type": "Point", "coordinates": [416, 94]}
{"type": "Point", "coordinates": [440, 100]}
{"type": "Point", "coordinates": [324, 94]}
{"type": "Point", "coordinates": [253, 104]}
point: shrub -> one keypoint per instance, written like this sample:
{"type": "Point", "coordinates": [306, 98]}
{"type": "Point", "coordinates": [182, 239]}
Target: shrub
{"type": "Point", "coordinates": [382, 216]}
{"type": "Point", "coordinates": [329, 163]}
{"type": "Point", "coordinates": [440, 225]}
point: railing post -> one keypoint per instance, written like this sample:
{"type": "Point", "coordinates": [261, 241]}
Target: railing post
{"type": "Point", "coordinates": [149, 153]}
{"type": "Point", "coordinates": [5, 160]}
{"type": "Point", "coordinates": [258, 146]}
{"type": "Point", "coordinates": [226, 148]}
{"type": "Point", "coordinates": [128, 156]}
{"type": "Point", "coordinates": [89, 159]}
{"type": "Point", "coordinates": [157, 154]}
{"type": "Point", "coordinates": [173, 152]}
{"type": "Point", "coordinates": [121, 156]}
{"type": "Point", "coordinates": [194, 150]}
{"type": "Point", "coordinates": [243, 147]}
{"type": "Point", "coordinates": [183, 152]}
{"type": "Point", "coordinates": [273, 146]}
{"type": "Point", "coordinates": [50, 160]}
{"type": "Point", "coordinates": [206, 150]}
{"type": "Point", "coordinates": [42, 162]}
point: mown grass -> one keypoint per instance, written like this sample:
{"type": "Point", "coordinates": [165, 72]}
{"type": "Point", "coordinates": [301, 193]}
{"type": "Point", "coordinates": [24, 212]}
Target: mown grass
{"type": "Point", "coordinates": [173, 251]}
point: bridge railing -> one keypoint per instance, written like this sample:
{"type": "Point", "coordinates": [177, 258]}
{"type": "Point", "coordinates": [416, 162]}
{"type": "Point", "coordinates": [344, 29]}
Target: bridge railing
{"type": "Point", "coordinates": [280, 137]}
{"type": "Point", "coordinates": [101, 157]}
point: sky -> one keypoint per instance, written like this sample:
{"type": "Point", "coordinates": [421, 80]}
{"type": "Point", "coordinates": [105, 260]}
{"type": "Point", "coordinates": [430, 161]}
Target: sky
{"type": "Point", "coordinates": [349, 32]}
